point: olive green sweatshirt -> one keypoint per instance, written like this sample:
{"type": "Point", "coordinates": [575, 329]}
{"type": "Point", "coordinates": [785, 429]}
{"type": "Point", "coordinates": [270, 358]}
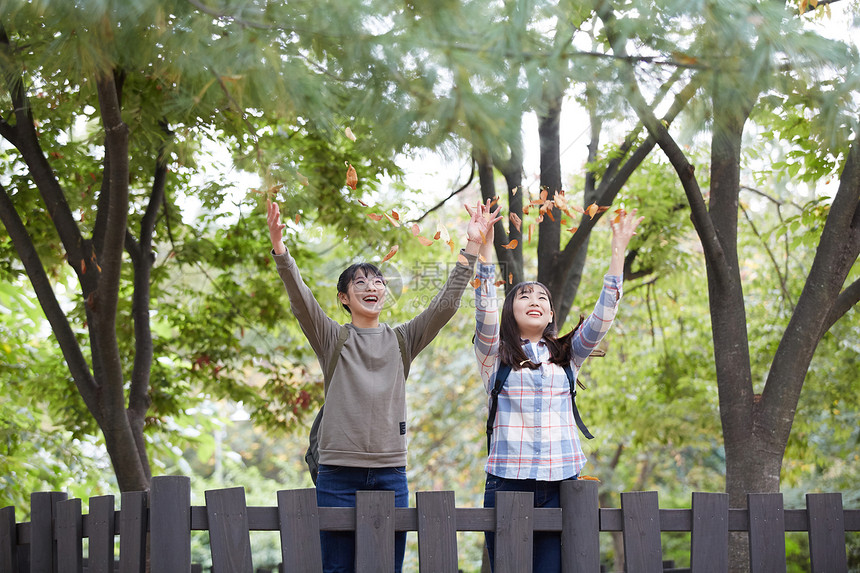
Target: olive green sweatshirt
{"type": "Point", "coordinates": [364, 421]}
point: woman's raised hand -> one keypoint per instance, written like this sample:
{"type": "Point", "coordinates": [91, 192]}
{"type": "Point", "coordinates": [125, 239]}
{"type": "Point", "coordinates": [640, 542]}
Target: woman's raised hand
{"type": "Point", "coordinates": [276, 228]}
{"type": "Point", "coordinates": [479, 233]}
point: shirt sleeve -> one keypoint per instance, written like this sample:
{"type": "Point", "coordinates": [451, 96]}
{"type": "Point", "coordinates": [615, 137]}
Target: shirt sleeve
{"type": "Point", "coordinates": [595, 327]}
{"type": "Point", "coordinates": [422, 329]}
{"type": "Point", "coordinates": [486, 323]}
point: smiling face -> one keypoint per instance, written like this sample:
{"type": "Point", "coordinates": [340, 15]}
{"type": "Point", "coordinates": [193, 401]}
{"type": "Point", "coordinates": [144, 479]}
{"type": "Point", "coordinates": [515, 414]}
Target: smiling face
{"type": "Point", "coordinates": [532, 310]}
{"type": "Point", "coordinates": [364, 297]}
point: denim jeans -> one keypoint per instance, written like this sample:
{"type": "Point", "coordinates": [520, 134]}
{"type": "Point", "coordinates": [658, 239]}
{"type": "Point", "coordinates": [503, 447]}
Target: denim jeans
{"type": "Point", "coordinates": [336, 487]}
{"type": "Point", "coordinates": [547, 545]}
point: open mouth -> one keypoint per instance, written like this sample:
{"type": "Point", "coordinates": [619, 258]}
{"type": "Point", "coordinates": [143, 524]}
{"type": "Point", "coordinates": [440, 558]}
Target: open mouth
{"type": "Point", "coordinates": [372, 299]}
{"type": "Point", "coordinates": [535, 313]}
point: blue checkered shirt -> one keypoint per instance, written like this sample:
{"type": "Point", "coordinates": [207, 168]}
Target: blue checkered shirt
{"type": "Point", "coordinates": [534, 434]}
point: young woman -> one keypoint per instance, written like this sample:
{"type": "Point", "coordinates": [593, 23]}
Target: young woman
{"type": "Point", "coordinates": [362, 439]}
{"type": "Point", "coordinates": [535, 443]}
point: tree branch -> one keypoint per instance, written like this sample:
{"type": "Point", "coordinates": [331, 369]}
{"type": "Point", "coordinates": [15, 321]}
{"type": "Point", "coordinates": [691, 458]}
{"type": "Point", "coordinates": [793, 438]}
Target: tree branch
{"type": "Point", "coordinates": [453, 193]}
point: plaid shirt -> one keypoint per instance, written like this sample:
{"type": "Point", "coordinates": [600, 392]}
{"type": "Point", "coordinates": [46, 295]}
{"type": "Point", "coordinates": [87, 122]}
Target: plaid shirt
{"type": "Point", "coordinates": [534, 433]}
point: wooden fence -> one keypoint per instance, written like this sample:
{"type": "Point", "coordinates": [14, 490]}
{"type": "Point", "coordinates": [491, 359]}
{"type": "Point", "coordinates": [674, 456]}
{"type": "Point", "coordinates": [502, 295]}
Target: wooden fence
{"type": "Point", "coordinates": [53, 540]}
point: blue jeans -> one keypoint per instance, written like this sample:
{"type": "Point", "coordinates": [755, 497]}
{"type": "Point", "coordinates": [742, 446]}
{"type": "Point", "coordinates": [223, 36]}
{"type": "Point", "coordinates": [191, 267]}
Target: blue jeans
{"type": "Point", "coordinates": [547, 545]}
{"type": "Point", "coordinates": [336, 487]}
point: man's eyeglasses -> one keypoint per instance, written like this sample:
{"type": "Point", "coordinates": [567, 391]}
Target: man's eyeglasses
{"type": "Point", "coordinates": [367, 284]}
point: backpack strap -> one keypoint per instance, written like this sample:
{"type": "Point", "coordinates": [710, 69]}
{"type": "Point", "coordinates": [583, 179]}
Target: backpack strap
{"type": "Point", "coordinates": [501, 375]}
{"type": "Point", "coordinates": [579, 423]}
{"type": "Point", "coordinates": [335, 355]}
{"type": "Point", "coordinates": [403, 356]}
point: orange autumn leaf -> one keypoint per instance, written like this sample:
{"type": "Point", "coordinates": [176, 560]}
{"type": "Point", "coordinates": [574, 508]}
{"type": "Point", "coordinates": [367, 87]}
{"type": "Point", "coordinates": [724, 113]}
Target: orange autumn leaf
{"type": "Point", "coordinates": [516, 221]}
{"type": "Point", "coordinates": [391, 253]}
{"type": "Point", "coordinates": [461, 258]}
{"type": "Point", "coordinates": [526, 209]}
{"type": "Point", "coordinates": [395, 215]}
{"type": "Point", "coordinates": [594, 209]}
{"type": "Point", "coordinates": [590, 478]}
{"type": "Point", "coordinates": [392, 220]}
{"type": "Point", "coordinates": [349, 133]}
{"type": "Point", "coordinates": [437, 235]}
{"type": "Point", "coordinates": [499, 283]}
{"type": "Point", "coordinates": [531, 229]}
{"type": "Point", "coordinates": [482, 258]}
{"type": "Point", "coordinates": [572, 229]}
{"type": "Point", "coordinates": [451, 244]}
{"type": "Point", "coordinates": [351, 178]}
{"type": "Point", "coordinates": [83, 267]}
{"type": "Point", "coordinates": [549, 214]}
{"type": "Point", "coordinates": [297, 218]}
{"type": "Point", "coordinates": [493, 202]}
{"type": "Point", "coordinates": [618, 214]}
{"type": "Point", "coordinates": [512, 245]}
{"type": "Point", "coordinates": [442, 231]}
{"type": "Point", "coordinates": [416, 230]}
{"type": "Point", "coordinates": [424, 240]}
{"type": "Point", "coordinates": [543, 194]}
{"type": "Point", "coordinates": [374, 216]}
{"type": "Point", "coordinates": [475, 282]}
{"type": "Point", "coordinates": [514, 191]}
{"type": "Point", "coordinates": [510, 278]}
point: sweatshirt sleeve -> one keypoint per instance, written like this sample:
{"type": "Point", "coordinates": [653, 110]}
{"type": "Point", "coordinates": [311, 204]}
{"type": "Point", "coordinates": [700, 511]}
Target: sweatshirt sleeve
{"type": "Point", "coordinates": [595, 327]}
{"type": "Point", "coordinates": [422, 329]}
{"type": "Point", "coordinates": [317, 327]}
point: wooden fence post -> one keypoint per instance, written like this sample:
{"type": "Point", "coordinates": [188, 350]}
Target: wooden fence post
{"type": "Point", "coordinates": [640, 513]}
{"type": "Point", "coordinates": [709, 543]}
{"type": "Point", "coordinates": [580, 527]}
{"type": "Point", "coordinates": [8, 540]}
{"type": "Point", "coordinates": [826, 533]}
{"type": "Point", "coordinates": [100, 531]}
{"type": "Point", "coordinates": [299, 526]}
{"type": "Point", "coordinates": [374, 531]}
{"type": "Point", "coordinates": [43, 549]}
{"type": "Point", "coordinates": [514, 531]}
{"type": "Point", "coordinates": [229, 536]}
{"type": "Point", "coordinates": [170, 524]}
{"type": "Point", "coordinates": [767, 533]}
{"type": "Point", "coordinates": [437, 531]}
{"type": "Point", "coordinates": [70, 537]}
{"type": "Point", "coordinates": [133, 526]}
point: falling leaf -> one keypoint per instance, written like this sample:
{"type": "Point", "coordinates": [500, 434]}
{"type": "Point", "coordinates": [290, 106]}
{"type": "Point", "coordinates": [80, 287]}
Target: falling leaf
{"type": "Point", "coordinates": [549, 214]}
{"type": "Point", "coordinates": [594, 209]}
{"type": "Point", "coordinates": [392, 220]}
{"type": "Point", "coordinates": [531, 228]}
{"type": "Point", "coordinates": [391, 253]}
{"type": "Point", "coordinates": [351, 178]}
{"type": "Point", "coordinates": [443, 232]}
{"type": "Point", "coordinates": [297, 218]}
{"type": "Point", "coordinates": [349, 133]}
{"type": "Point", "coordinates": [618, 214]}
{"type": "Point", "coordinates": [510, 278]}
{"type": "Point", "coordinates": [483, 237]}
{"type": "Point", "coordinates": [572, 229]}
{"type": "Point", "coordinates": [451, 244]}
{"type": "Point", "coordinates": [499, 282]}
{"type": "Point", "coordinates": [424, 240]}
{"type": "Point", "coordinates": [543, 194]}
{"type": "Point", "coordinates": [475, 282]}
{"type": "Point", "coordinates": [514, 191]}
{"type": "Point", "coordinates": [492, 204]}
{"type": "Point", "coordinates": [362, 203]}
{"type": "Point", "coordinates": [526, 209]}
{"type": "Point", "coordinates": [83, 267]}
{"type": "Point", "coordinates": [395, 215]}
{"type": "Point", "coordinates": [437, 235]}
{"type": "Point", "coordinates": [461, 258]}
{"type": "Point", "coordinates": [590, 478]}
{"type": "Point", "coordinates": [512, 245]}
{"type": "Point", "coordinates": [416, 230]}
{"type": "Point", "coordinates": [482, 258]}
{"type": "Point", "coordinates": [374, 216]}
{"type": "Point", "coordinates": [516, 221]}
{"type": "Point", "coordinates": [560, 201]}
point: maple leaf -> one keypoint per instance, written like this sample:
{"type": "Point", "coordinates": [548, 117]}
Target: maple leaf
{"type": "Point", "coordinates": [351, 177]}
{"type": "Point", "coordinates": [512, 245]}
{"type": "Point", "coordinates": [349, 133]}
{"type": "Point", "coordinates": [391, 253]}
{"type": "Point", "coordinates": [516, 221]}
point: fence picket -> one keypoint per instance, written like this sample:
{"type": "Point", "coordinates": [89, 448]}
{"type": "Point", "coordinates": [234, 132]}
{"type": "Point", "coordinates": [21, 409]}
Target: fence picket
{"type": "Point", "coordinates": [767, 533]}
{"type": "Point", "coordinates": [300, 531]}
{"type": "Point", "coordinates": [70, 530]}
{"type": "Point", "coordinates": [826, 533]}
{"type": "Point", "coordinates": [709, 543]}
{"type": "Point", "coordinates": [43, 549]}
{"type": "Point", "coordinates": [437, 531]}
{"type": "Point", "coordinates": [514, 534]}
{"type": "Point", "coordinates": [100, 531]}
{"type": "Point", "coordinates": [8, 540]}
{"type": "Point", "coordinates": [170, 524]}
{"type": "Point", "coordinates": [133, 526]}
{"type": "Point", "coordinates": [641, 515]}
{"type": "Point", "coordinates": [374, 536]}
{"type": "Point", "coordinates": [580, 527]}
{"type": "Point", "coordinates": [229, 537]}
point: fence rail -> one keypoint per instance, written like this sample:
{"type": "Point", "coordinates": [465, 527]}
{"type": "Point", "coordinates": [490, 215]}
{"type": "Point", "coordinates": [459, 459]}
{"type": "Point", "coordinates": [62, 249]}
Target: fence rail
{"type": "Point", "coordinates": [52, 541]}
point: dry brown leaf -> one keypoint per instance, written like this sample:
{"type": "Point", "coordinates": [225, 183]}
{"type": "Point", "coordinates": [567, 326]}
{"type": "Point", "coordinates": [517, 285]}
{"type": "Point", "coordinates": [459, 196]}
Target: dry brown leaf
{"type": "Point", "coordinates": [391, 253]}
{"type": "Point", "coordinates": [514, 191]}
{"type": "Point", "coordinates": [297, 218]}
{"type": "Point", "coordinates": [512, 245]}
{"type": "Point", "coordinates": [416, 230]}
{"type": "Point", "coordinates": [392, 220]}
{"type": "Point", "coordinates": [475, 282]}
{"type": "Point", "coordinates": [589, 478]}
{"type": "Point", "coordinates": [572, 229]}
{"type": "Point", "coordinates": [349, 133]}
{"type": "Point", "coordinates": [461, 258]}
{"type": "Point", "coordinates": [451, 244]}
{"type": "Point", "coordinates": [510, 278]}
{"type": "Point", "coordinates": [424, 240]}
{"type": "Point", "coordinates": [374, 216]}
{"type": "Point", "coordinates": [499, 283]}
{"type": "Point", "coordinates": [618, 214]}
{"type": "Point", "coordinates": [482, 258]}
{"type": "Point", "coordinates": [516, 221]}
{"type": "Point", "coordinates": [351, 178]}
{"type": "Point", "coordinates": [531, 229]}
{"type": "Point", "coordinates": [395, 215]}
{"type": "Point", "coordinates": [594, 209]}
{"type": "Point", "coordinates": [362, 203]}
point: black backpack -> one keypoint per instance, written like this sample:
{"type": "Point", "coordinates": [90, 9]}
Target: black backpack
{"type": "Point", "coordinates": [502, 375]}
{"type": "Point", "coordinates": [312, 456]}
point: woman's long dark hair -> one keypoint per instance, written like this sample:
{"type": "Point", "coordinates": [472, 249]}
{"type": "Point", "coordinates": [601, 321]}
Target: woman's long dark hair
{"type": "Point", "coordinates": [510, 343]}
{"type": "Point", "coordinates": [367, 269]}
